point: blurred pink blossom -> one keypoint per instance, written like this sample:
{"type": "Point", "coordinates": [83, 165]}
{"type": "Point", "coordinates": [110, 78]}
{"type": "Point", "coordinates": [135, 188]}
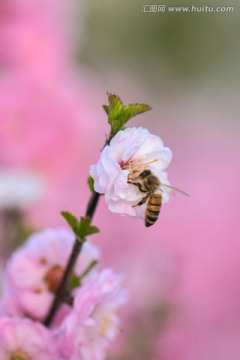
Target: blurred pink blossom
{"type": "Point", "coordinates": [35, 38]}
{"type": "Point", "coordinates": [86, 332]}
{"type": "Point", "coordinates": [9, 305]}
{"type": "Point", "coordinates": [45, 101]}
{"type": "Point", "coordinates": [35, 269]}
{"type": "Point", "coordinates": [24, 339]}
{"type": "Point", "coordinates": [83, 331]}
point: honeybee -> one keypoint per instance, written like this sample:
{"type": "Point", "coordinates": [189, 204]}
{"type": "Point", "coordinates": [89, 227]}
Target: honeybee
{"type": "Point", "coordinates": [152, 186]}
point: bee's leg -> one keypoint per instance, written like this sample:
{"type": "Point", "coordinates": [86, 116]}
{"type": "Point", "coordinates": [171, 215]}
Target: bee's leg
{"type": "Point", "coordinates": [141, 202]}
{"type": "Point", "coordinates": [139, 185]}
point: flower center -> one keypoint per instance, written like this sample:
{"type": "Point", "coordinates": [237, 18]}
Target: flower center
{"type": "Point", "coordinates": [53, 277]}
{"type": "Point", "coordinates": [135, 168]}
{"type": "Point", "coordinates": [106, 322]}
{"type": "Point", "coordinates": [19, 355]}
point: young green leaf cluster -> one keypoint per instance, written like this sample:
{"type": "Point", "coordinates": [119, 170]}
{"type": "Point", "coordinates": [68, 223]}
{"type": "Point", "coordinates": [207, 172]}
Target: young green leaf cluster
{"type": "Point", "coordinates": [82, 228]}
{"type": "Point", "coordinates": [119, 114]}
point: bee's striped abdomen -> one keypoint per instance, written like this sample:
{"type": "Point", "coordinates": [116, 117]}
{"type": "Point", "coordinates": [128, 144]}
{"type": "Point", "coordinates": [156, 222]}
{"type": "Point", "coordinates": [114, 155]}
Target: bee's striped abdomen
{"type": "Point", "coordinates": [153, 208]}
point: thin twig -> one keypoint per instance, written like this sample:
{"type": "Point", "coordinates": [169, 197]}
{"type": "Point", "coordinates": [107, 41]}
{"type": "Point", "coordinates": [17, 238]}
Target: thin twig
{"type": "Point", "coordinates": [92, 204]}
{"type": "Point", "coordinates": [61, 290]}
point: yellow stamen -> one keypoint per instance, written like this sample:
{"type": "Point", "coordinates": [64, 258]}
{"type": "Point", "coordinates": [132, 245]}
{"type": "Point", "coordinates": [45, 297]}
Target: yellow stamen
{"type": "Point", "coordinates": [135, 167]}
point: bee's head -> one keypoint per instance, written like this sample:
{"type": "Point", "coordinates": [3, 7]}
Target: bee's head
{"type": "Point", "coordinates": [144, 174]}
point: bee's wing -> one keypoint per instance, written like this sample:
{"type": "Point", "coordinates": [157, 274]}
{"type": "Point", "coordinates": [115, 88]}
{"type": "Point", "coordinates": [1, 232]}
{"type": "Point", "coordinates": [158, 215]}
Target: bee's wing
{"type": "Point", "coordinates": [175, 190]}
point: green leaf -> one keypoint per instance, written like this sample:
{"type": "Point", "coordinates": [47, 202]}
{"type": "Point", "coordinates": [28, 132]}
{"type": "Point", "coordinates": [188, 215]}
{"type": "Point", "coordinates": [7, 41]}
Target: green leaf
{"type": "Point", "coordinates": [106, 108]}
{"type": "Point", "coordinates": [82, 228]}
{"type": "Point", "coordinates": [71, 220]}
{"type": "Point", "coordinates": [75, 280]}
{"type": "Point", "coordinates": [119, 114]}
{"type": "Point", "coordinates": [91, 265]}
{"type": "Point", "coordinates": [85, 228]}
{"type": "Point", "coordinates": [91, 184]}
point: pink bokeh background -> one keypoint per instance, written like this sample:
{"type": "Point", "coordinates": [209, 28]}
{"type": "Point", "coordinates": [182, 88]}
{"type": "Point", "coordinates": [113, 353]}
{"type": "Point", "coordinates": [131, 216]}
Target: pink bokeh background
{"type": "Point", "coordinates": [52, 124]}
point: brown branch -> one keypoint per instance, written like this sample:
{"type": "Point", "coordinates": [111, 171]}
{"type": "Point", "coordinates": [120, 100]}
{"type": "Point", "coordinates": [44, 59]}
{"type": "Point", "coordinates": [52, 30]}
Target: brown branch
{"type": "Point", "coordinates": [61, 290]}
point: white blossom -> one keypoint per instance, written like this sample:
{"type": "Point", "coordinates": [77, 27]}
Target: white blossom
{"type": "Point", "coordinates": [129, 153]}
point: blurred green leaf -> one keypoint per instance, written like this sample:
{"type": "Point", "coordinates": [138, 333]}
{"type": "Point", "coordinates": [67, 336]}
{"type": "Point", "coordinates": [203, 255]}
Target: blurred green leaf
{"type": "Point", "coordinates": [91, 184]}
{"type": "Point", "coordinates": [75, 280]}
{"type": "Point", "coordinates": [91, 265]}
